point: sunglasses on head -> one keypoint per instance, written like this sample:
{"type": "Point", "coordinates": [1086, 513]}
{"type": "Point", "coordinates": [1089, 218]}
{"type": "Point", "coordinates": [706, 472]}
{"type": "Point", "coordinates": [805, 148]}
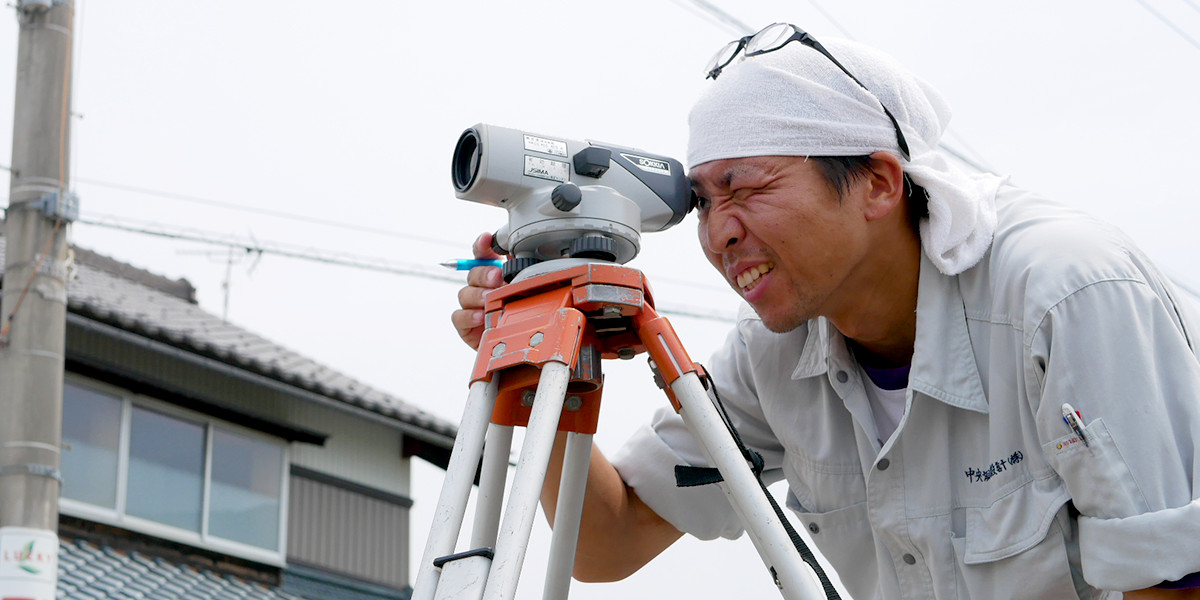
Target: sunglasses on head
{"type": "Point", "coordinates": [774, 37]}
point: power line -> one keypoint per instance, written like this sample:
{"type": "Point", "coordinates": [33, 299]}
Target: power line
{"type": "Point", "coordinates": [718, 16]}
{"type": "Point", "coordinates": [267, 212]}
{"type": "Point", "coordinates": [256, 247]}
{"type": "Point", "coordinates": [458, 246]}
{"type": "Point", "coordinates": [1161, 17]}
{"type": "Point", "coordinates": [829, 17]}
{"type": "Point", "coordinates": [338, 259]}
{"type": "Point", "coordinates": [724, 19]}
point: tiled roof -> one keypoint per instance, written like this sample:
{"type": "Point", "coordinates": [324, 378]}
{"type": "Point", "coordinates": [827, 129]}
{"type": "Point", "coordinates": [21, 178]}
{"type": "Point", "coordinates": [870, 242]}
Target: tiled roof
{"type": "Point", "coordinates": [163, 310]}
{"type": "Point", "coordinates": [89, 572]}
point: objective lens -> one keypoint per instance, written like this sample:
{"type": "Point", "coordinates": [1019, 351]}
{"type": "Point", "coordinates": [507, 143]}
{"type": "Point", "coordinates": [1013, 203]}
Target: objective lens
{"type": "Point", "coordinates": [465, 164]}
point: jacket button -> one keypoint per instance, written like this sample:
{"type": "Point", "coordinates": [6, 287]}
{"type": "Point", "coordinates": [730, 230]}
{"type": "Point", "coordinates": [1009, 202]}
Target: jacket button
{"type": "Point", "coordinates": [842, 377]}
{"type": "Point", "coordinates": [910, 559]}
{"type": "Point", "coordinates": [883, 464]}
{"type": "Point", "coordinates": [813, 527]}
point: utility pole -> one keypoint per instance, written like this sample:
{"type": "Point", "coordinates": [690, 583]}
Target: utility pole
{"type": "Point", "coordinates": [33, 309]}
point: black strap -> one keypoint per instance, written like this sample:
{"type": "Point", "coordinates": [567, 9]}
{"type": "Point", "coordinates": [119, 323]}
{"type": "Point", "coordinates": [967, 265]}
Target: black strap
{"type": "Point", "coordinates": [689, 476]}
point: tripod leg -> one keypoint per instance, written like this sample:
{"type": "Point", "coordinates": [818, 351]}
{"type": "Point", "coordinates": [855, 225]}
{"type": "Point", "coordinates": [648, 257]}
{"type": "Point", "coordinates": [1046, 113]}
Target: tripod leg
{"type": "Point", "coordinates": [795, 579]}
{"type": "Point", "coordinates": [456, 488]}
{"type": "Point", "coordinates": [567, 515]}
{"type": "Point", "coordinates": [490, 499]}
{"type": "Point", "coordinates": [527, 482]}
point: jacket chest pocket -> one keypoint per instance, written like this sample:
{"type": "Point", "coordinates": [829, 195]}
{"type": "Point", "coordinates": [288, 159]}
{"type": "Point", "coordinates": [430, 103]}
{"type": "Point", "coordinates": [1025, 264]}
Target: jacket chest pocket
{"type": "Point", "coordinates": [823, 486]}
{"type": "Point", "coordinates": [843, 536]}
{"type": "Point", "coordinates": [1021, 537]}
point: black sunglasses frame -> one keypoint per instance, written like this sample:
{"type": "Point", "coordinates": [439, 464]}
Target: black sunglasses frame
{"type": "Point", "coordinates": [799, 35]}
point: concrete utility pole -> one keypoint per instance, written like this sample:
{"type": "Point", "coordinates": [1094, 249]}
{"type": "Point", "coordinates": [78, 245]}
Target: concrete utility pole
{"type": "Point", "coordinates": [33, 310]}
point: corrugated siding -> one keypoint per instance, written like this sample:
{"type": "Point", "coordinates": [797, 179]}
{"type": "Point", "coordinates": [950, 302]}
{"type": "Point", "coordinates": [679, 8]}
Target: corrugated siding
{"type": "Point", "coordinates": [358, 450]}
{"type": "Point", "coordinates": [347, 532]}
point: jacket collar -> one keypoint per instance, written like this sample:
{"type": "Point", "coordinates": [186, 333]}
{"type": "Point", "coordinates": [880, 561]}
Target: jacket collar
{"type": "Point", "coordinates": [943, 366]}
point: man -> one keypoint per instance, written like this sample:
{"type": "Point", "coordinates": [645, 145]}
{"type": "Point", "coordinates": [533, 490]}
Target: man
{"type": "Point", "coordinates": [971, 392]}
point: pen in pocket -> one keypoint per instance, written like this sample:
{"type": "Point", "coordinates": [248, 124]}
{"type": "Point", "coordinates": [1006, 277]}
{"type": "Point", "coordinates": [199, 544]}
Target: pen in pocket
{"type": "Point", "coordinates": [1072, 418]}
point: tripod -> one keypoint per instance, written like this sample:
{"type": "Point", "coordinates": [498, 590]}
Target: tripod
{"type": "Point", "coordinates": [538, 366]}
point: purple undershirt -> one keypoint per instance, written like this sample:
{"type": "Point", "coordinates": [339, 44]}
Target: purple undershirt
{"type": "Point", "coordinates": [1187, 583]}
{"type": "Point", "coordinates": [888, 379]}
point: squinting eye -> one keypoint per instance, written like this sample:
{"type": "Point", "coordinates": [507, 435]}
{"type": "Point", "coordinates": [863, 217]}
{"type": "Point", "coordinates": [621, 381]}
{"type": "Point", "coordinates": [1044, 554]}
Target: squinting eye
{"type": "Point", "coordinates": [701, 204]}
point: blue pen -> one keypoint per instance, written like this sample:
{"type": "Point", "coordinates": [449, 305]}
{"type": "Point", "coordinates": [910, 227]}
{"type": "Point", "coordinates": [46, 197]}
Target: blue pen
{"type": "Point", "coordinates": [466, 264]}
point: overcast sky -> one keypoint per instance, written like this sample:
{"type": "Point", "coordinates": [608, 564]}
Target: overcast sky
{"type": "Point", "coordinates": [344, 115]}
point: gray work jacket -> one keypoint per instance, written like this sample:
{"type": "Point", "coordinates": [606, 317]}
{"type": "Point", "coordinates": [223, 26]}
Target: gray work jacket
{"type": "Point", "coordinates": [983, 491]}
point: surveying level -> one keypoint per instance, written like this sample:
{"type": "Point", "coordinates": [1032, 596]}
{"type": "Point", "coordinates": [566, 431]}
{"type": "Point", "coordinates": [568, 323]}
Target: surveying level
{"type": "Point", "coordinates": [538, 366]}
{"type": "Point", "coordinates": [576, 211]}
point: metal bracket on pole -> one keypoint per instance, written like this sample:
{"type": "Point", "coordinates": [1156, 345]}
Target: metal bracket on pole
{"type": "Point", "coordinates": [28, 6]}
{"type": "Point", "coordinates": [59, 205]}
{"type": "Point", "coordinates": [32, 469]}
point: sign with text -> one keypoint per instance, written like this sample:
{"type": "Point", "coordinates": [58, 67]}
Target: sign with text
{"type": "Point", "coordinates": [28, 563]}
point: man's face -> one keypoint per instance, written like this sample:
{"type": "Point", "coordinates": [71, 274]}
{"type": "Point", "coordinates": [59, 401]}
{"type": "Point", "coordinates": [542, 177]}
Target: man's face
{"type": "Point", "coordinates": [780, 235]}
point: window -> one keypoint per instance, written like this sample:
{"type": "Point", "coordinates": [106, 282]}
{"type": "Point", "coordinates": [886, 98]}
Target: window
{"type": "Point", "coordinates": [247, 478]}
{"type": "Point", "coordinates": [147, 466]}
{"type": "Point", "coordinates": [166, 470]}
{"type": "Point", "coordinates": [92, 431]}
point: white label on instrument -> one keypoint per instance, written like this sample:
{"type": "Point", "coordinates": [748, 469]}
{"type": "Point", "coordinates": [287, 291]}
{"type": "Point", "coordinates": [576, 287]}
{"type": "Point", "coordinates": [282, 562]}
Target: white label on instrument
{"type": "Point", "coordinates": [544, 168]}
{"type": "Point", "coordinates": [545, 145]}
{"type": "Point", "coordinates": [652, 165]}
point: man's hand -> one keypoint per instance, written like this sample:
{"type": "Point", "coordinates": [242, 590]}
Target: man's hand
{"type": "Point", "coordinates": [468, 320]}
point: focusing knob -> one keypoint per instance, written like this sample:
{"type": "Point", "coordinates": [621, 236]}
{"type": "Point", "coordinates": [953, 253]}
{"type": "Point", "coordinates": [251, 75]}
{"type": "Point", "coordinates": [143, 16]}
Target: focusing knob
{"type": "Point", "coordinates": [601, 248]}
{"type": "Point", "coordinates": [566, 196]}
{"type": "Point", "coordinates": [496, 247]}
{"type": "Point", "coordinates": [513, 266]}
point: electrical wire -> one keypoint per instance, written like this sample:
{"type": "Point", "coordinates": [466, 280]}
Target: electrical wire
{"type": "Point", "coordinates": [829, 17]}
{"type": "Point", "coordinates": [28, 284]}
{"type": "Point", "coordinates": [727, 20]}
{"type": "Point", "coordinates": [718, 16]}
{"type": "Point", "coordinates": [1161, 17]}
{"type": "Point", "coordinates": [64, 112]}
{"type": "Point", "coordinates": [266, 212]}
{"type": "Point", "coordinates": [310, 220]}
{"type": "Point", "coordinates": [260, 247]}
{"type": "Point", "coordinates": [338, 259]}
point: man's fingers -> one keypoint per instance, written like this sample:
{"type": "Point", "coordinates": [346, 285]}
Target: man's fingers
{"type": "Point", "coordinates": [471, 298]}
{"type": "Point", "coordinates": [485, 277]}
{"type": "Point", "coordinates": [466, 319]}
{"type": "Point", "coordinates": [482, 248]}
{"type": "Point", "coordinates": [469, 324]}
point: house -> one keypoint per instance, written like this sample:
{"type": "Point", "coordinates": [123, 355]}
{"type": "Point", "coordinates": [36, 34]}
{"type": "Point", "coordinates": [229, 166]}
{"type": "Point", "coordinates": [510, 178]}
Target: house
{"type": "Point", "coordinates": [203, 461]}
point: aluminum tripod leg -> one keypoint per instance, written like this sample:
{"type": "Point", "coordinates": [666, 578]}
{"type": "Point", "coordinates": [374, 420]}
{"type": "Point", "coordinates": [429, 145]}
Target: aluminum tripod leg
{"type": "Point", "coordinates": [795, 579]}
{"type": "Point", "coordinates": [512, 540]}
{"type": "Point", "coordinates": [456, 488]}
{"type": "Point", "coordinates": [567, 515]}
{"type": "Point", "coordinates": [527, 482]}
{"type": "Point", "coordinates": [490, 500]}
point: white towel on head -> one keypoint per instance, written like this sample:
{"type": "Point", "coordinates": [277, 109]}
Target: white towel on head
{"type": "Point", "coordinates": [796, 102]}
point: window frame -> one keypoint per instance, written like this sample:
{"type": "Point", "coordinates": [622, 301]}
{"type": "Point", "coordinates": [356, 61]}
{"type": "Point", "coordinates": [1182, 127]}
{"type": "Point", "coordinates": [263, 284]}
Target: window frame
{"type": "Point", "coordinates": [201, 539]}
